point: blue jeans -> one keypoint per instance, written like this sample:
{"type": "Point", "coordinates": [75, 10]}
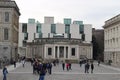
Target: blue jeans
{"type": "Point", "coordinates": [41, 77]}
{"type": "Point", "coordinates": [4, 77]}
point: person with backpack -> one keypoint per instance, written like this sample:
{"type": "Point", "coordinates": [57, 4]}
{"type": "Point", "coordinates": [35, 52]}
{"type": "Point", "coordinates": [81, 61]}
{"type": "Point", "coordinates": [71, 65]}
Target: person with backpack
{"type": "Point", "coordinates": [5, 72]}
{"type": "Point", "coordinates": [42, 73]}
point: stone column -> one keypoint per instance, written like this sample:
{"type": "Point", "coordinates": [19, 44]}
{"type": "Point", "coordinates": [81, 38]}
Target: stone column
{"type": "Point", "coordinates": [54, 52]}
{"type": "Point", "coordinates": [77, 52]}
{"type": "Point", "coordinates": [58, 52]}
{"type": "Point", "coordinates": [45, 50]}
{"type": "Point", "coordinates": [69, 52]}
{"type": "Point", "coordinates": [64, 52]}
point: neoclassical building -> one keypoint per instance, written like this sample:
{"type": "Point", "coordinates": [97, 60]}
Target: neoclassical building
{"type": "Point", "coordinates": [51, 40]}
{"type": "Point", "coordinates": [9, 23]}
{"type": "Point", "coordinates": [112, 40]}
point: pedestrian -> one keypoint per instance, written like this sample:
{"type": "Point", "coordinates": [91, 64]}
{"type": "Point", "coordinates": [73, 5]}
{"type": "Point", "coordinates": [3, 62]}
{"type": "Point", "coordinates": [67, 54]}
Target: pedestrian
{"type": "Point", "coordinates": [63, 66]}
{"type": "Point", "coordinates": [42, 73]}
{"type": "Point", "coordinates": [70, 66]}
{"type": "Point", "coordinates": [67, 66]}
{"type": "Point", "coordinates": [23, 63]}
{"type": "Point", "coordinates": [87, 67]}
{"type": "Point", "coordinates": [14, 62]}
{"type": "Point", "coordinates": [98, 62]}
{"type": "Point", "coordinates": [5, 72]}
{"type": "Point", "coordinates": [80, 62]}
{"type": "Point", "coordinates": [92, 67]}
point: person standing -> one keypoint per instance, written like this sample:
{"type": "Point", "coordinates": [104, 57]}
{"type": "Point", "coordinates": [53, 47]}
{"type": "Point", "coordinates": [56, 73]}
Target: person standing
{"type": "Point", "coordinates": [92, 67]}
{"type": "Point", "coordinates": [98, 62]}
{"type": "Point", "coordinates": [42, 73]}
{"type": "Point", "coordinates": [63, 66]}
{"type": "Point", "coordinates": [14, 62]}
{"type": "Point", "coordinates": [67, 66]}
{"type": "Point", "coordinates": [5, 72]}
{"type": "Point", "coordinates": [23, 63]}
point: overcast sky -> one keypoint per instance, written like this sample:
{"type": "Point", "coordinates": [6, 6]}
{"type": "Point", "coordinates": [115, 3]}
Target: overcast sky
{"type": "Point", "coordinates": [94, 12]}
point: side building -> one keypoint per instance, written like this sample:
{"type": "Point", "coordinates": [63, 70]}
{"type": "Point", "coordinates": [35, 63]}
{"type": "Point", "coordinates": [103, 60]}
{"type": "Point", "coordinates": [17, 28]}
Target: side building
{"type": "Point", "coordinates": [98, 44]}
{"type": "Point", "coordinates": [51, 40]}
{"type": "Point", "coordinates": [112, 41]}
{"type": "Point", "coordinates": [9, 23]}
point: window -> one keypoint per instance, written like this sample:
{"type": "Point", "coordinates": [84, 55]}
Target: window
{"type": "Point", "coordinates": [24, 27]}
{"type": "Point", "coordinates": [6, 16]}
{"type": "Point", "coordinates": [6, 34]}
{"type": "Point", "coordinates": [73, 51]}
{"type": "Point", "coordinates": [81, 29]}
{"type": "Point", "coordinates": [25, 36]}
{"type": "Point", "coordinates": [53, 28]}
{"type": "Point", "coordinates": [67, 21]}
{"type": "Point", "coordinates": [38, 28]}
{"type": "Point", "coordinates": [49, 51]}
{"type": "Point", "coordinates": [67, 28]}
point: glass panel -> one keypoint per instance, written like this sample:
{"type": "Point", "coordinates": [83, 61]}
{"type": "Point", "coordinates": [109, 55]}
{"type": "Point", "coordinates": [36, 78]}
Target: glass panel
{"type": "Point", "coordinates": [38, 29]}
{"type": "Point", "coordinates": [53, 28]}
{"type": "Point", "coordinates": [67, 28]}
{"type": "Point", "coordinates": [49, 51]}
{"type": "Point", "coordinates": [67, 21]}
{"type": "Point", "coordinates": [24, 27]}
{"type": "Point", "coordinates": [25, 36]}
{"type": "Point", "coordinates": [73, 51]}
{"type": "Point", "coordinates": [81, 29]}
{"type": "Point", "coordinates": [32, 21]}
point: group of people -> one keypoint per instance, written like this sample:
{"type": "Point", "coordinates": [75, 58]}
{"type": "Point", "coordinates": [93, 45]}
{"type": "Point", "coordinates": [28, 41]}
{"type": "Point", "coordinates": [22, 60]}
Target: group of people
{"type": "Point", "coordinates": [87, 66]}
{"type": "Point", "coordinates": [67, 65]}
{"type": "Point", "coordinates": [42, 68]}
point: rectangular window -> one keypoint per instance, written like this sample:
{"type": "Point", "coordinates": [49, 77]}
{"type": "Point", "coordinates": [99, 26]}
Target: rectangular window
{"type": "Point", "coordinates": [25, 36]}
{"type": "Point", "coordinates": [53, 28]}
{"type": "Point", "coordinates": [67, 28]}
{"type": "Point", "coordinates": [49, 51]}
{"type": "Point", "coordinates": [6, 16]}
{"type": "Point", "coordinates": [24, 27]}
{"type": "Point", "coordinates": [6, 34]}
{"type": "Point", "coordinates": [67, 21]}
{"type": "Point", "coordinates": [73, 51]}
{"type": "Point", "coordinates": [81, 29]}
{"type": "Point", "coordinates": [38, 28]}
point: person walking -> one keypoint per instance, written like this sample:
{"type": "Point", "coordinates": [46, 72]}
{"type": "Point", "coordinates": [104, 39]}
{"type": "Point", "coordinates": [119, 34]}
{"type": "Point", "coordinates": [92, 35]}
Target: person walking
{"type": "Point", "coordinates": [92, 67]}
{"type": "Point", "coordinates": [5, 72]}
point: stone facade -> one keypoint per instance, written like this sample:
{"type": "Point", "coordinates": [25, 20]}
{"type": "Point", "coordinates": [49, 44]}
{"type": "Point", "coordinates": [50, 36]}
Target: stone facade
{"type": "Point", "coordinates": [59, 48]}
{"type": "Point", "coordinates": [9, 25]}
{"type": "Point", "coordinates": [61, 33]}
{"type": "Point", "coordinates": [112, 40]}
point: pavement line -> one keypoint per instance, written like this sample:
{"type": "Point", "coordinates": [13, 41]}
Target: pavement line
{"type": "Point", "coordinates": [64, 73]}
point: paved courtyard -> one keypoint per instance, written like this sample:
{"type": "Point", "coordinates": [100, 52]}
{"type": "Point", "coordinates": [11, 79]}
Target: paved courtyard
{"type": "Point", "coordinates": [101, 72]}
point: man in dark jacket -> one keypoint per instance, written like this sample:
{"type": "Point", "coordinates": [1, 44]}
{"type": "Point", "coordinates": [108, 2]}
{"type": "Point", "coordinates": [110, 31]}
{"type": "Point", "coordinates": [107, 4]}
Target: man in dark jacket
{"type": "Point", "coordinates": [5, 73]}
{"type": "Point", "coordinates": [42, 73]}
